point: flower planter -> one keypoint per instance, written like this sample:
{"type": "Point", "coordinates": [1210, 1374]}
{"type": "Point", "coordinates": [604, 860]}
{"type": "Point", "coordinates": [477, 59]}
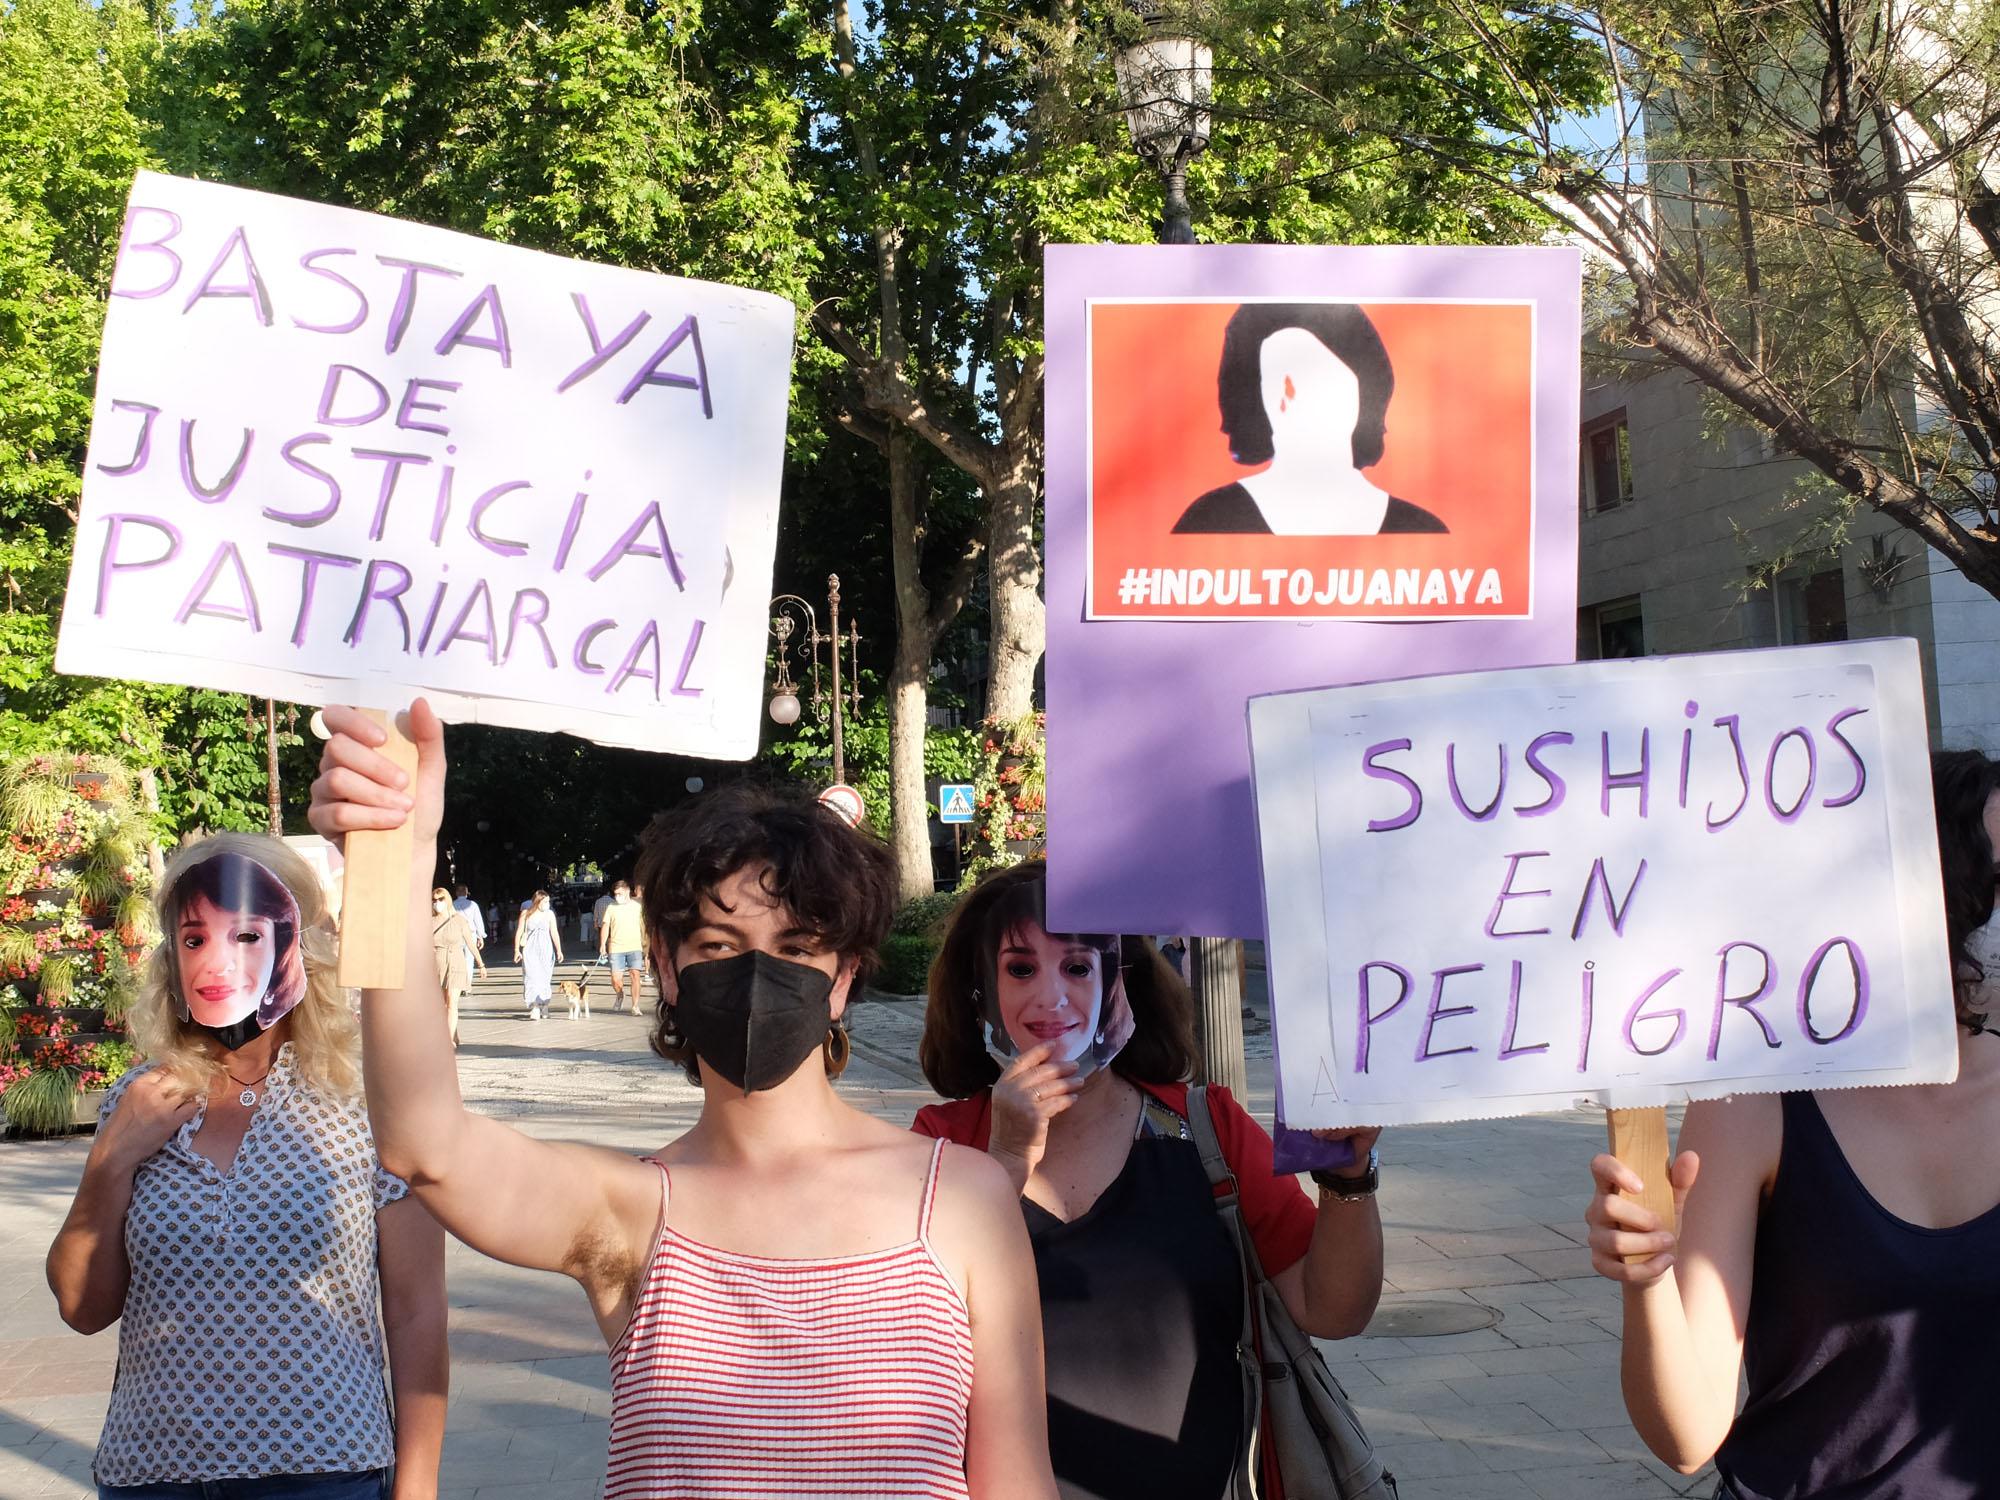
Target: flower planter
{"type": "Point", "coordinates": [55, 895]}
{"type": "Point", "coordinates": [86, 1107]}
{"type": "Point", "coordinates": [1022, 848]}
{"type": "Point", "coordinates": [86, 1017]}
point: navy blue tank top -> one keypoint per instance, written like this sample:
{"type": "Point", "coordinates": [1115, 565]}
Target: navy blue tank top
{"type": "Point", "coordinates": [1873, 1344]}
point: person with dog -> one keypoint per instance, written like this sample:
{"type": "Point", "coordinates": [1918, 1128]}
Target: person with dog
{"type": "Point", "coordinates": [279, 1296]}
{"type": "Point", "coordinates": [797, 1298]}
{"type": "Point", "coordinates": [621, 942]}
{"type": "Point", "coordinates": [538, 949]}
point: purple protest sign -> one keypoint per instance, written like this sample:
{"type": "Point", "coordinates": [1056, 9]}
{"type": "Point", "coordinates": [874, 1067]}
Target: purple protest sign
{"type": "Point", "coordinates": [1273, 468]}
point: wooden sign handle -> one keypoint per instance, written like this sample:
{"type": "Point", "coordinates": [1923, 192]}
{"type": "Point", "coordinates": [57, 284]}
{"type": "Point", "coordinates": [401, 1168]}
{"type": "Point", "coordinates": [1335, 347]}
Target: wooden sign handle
{"type": "Point", "coordinates": [1639, 1139]}
{"type": "Point", "coordinates": [375, 888]}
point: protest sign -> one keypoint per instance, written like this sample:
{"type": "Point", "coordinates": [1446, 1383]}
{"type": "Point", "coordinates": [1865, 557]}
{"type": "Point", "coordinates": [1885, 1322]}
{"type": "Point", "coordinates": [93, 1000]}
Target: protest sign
{"type": "Point", "coordinates": [1266, 464]}
{"type": "Point", "coordinates": [343, 458]}
{"type": "Point", "coordinates": [1639, 881]}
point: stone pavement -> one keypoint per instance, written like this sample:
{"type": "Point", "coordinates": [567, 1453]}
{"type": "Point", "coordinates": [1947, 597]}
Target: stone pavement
{"type": "Point", "coordinates": [1482, 1226]}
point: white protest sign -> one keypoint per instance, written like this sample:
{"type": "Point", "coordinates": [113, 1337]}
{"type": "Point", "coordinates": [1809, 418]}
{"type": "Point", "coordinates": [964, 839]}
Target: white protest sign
{"type": "Point", "coordinates": [1681, 877]}
{"type": "Point", "coordinates": [338, 458]}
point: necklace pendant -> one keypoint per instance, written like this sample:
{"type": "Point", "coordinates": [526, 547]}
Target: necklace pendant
{"type": "Point", "coordinates": [248, 1098]}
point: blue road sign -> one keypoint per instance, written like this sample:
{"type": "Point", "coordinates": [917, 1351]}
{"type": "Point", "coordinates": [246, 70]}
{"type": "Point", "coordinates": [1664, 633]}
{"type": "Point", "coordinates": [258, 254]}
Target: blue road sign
{"type": "Point", "coordinates": [955, 802]}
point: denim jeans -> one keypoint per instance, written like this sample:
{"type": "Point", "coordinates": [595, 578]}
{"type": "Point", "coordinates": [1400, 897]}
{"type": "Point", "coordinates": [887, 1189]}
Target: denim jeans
{"type": "Point", "coordinates": [370, 1484]}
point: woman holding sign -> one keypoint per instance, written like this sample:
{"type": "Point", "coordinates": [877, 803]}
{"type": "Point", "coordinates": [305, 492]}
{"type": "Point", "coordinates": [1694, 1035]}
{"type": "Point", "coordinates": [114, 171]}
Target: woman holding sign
{"type": "Point", "coordinates": [798, 1299]}
{"type": "Point", "coordinates": [234, 1221]}
{"type": "Point", "coordinates": [1066, 1055]}
{"type": "Point", "coordinates": [1837, 1248]}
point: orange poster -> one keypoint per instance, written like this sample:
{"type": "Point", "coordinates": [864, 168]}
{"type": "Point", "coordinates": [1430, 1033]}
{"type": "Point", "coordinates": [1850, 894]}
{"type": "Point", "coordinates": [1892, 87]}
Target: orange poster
{"type": "Point", "coordinates": [1311, 459]}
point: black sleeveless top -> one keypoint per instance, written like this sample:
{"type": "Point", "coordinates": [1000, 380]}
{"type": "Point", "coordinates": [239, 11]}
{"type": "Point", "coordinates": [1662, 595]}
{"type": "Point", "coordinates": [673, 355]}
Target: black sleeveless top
{"type": "Point", "coordinates": [1142, 1300]}
{"type": "Point", "coordinates": [1873, 1344]}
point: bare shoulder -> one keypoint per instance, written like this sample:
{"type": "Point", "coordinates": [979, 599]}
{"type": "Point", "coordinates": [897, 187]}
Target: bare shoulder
{"type": "Point", "coordinates": [1738, 1139]}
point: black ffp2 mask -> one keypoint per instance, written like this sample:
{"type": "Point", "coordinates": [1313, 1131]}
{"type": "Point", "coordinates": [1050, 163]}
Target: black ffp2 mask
{"type": "Point", "coordinates": [754, 1018]}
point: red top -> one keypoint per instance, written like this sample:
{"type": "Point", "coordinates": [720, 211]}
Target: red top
{"type": "Point", "coordinates": [1276, 1210]}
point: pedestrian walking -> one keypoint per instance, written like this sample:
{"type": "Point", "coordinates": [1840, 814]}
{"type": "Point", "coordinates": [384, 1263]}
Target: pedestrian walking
{"type": "Point", "coordinates": [621, 942]}
{"type": "Point", "coordinates": [451, 944]}
{"type": "Point", "coordinates": [798, 1299]}
{"type": "Point", "coordinates": [538, 949]}
{"type": "Point", "coordinates": [1143, 1289]}
{"type": "Point", "coordinates": [279, 1296]}
{"type": "Point", "coordinates": [476, 922]}
{"type": "Point", "coordinates": [1836, 1248]}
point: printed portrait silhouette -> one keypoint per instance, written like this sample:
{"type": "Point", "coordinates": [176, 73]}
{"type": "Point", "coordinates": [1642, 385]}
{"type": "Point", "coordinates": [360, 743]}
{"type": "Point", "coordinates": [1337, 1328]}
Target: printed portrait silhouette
{"type": "Point", "coordinates": [1304, 389]}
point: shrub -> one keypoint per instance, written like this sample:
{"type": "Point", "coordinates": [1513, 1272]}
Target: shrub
{"type": "Point", "coordinates": [41, 1102]}
{"type": "Point", "coordinates": [925, 916]}
{"type": "Point", "coordinates": [906, 963]}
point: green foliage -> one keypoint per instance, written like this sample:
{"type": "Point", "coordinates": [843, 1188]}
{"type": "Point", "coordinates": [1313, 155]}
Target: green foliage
{"type": "Point", "coordinates": [925, 916]}
{"type": "Point", "coordinates": [805, 751]}
{"type": "Point", "coordinates": [56, 981]}
{"type": "Point", "coordinates": [42, 1102]}
{"type": "Point", "coordinates": [906, 963]}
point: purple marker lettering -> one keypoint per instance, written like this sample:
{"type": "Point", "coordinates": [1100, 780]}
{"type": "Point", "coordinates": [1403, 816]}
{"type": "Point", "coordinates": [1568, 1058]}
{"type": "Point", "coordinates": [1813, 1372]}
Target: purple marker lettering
{"type": "Point", "coordinates": [307, 517]}
{"type": "Point", "coordinates": [144, 450]}
{"type": "Point", "coordinates": [392, 467]}
{"type": "Point", "coordinates": [430, 616]}
{"type": "Point", "coordinates": [1747, 1002]}
{"type": "Point", "coordinates": [330, 392]}
{"type": "Point", "coordinates": [406, 297]}
{"type": "Point", "coordinates": [1857, 966]}
{"type": "Point", "coordinates": [580, 658]}
{"type": "Point", "coordinates": [1690, 709]}
{"type": "Point", "coordinates": [410, 404]}
{"type": "Point", "coordinates": [308, 263]}
{"type": "Point", "coordinates": [1729, 722]}
{"type": "Point", "coordinates": [132, 246]}
{"type": "Point", "coordinates": [1409, 814]}
{"type": "Point", "coordinates": [225, 485]}
{"type": "Point", "coordinates": [689, 331]}
{"type": "Point", "coordinates": [475, 523]}
{"type": "Point", "coordinates": [519, 615]}
{"type": "Point", "coordinates": [680, 689]}
{"type": "Point", "coordinates": [599, 353]}
{"type": "Point", "coordinates": [372, 593]}
{"type": "Point", "coordinates": [441, 509]}
{"type": "Point", "coordinates": [496, 341]}
{"type": "Point", "coordinates": [1860, 767]}
{"type": "Point", "coordinates": [1507, 1047]}
{"type": "Point", "coordinates": [107, 564]}
{"type": "Point", "coordinates": [628, 545]}
{"type": "Point", "coordinates": [481, 598]}
{"type": "Point", "coordinates": [1790, 814]}
{"type": "Point", "coordinates": [197, 602]}
{"type": "Point", "coordinates": [574, 519]}
{"type": "Point", "coordinates": [647, 640]}
{"type": "Point", "coordinates": [1486, 813]}
{"type": "Point", "coordinates": [1435, 1011]}
{"type": "Point", "coordinates": [1367, 1017]}
{"type": "Point", "coordinates": [1599, 881]}
{"type": "Point", "coordinates": [1557, 790]}
{"type": "Point", "coordinates": [310, 563]}
{"type": "Point", "coordinates": [1639, 778]}
{"type": "Point", "coordinates": [1639, 1013]}
{"type": "Point", "coordinates": [1587, 1006]}
{"type": "Point", "coordinates": [250, 287]}
{"type": "Point", "coordinates": [1508, 893]}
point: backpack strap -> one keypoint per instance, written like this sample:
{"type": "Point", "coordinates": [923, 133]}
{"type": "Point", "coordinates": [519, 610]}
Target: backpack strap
{"type": "Point", "coordinates": [1228, 1208]}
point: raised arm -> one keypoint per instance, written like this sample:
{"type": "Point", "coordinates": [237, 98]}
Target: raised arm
{"type": "Point", "coordinates": [1687, 1304]}
{"type": "Point", "coordinates": [555, 1207]}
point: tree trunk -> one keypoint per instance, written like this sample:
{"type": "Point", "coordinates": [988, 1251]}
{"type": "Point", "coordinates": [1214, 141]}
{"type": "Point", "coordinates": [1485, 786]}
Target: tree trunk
{"type": "Point", "coordinates": [1017, 618]}
{"type": "Point", "coordinates": [909, 699]}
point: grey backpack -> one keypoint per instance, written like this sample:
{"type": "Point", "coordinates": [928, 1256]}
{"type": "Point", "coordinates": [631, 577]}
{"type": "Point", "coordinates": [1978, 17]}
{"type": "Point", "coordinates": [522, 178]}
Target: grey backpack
{"type": "Point", "coordinates": [1316, 1442]}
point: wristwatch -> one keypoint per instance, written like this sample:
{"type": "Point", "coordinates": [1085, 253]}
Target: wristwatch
{"type": "Point", "coordinates": [1352, 1187]}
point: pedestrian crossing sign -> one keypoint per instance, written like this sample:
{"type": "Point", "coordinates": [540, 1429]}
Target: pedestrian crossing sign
{"type": "Point", "coordinates": [955, 802]}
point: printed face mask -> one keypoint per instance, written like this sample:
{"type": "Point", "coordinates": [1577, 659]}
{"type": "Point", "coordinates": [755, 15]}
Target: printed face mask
{"type": "Point", "coordinates": [237, 969]}
{"type": "Point", "coordinates": [1982, 946]}
{"type": "Point", "coordinates": [754, 1018]}
{"type": "Point", "coordinates": [1063, 989]}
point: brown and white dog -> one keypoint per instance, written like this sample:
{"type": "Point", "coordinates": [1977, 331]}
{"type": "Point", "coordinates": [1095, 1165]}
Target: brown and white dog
{"type": "Point", "coordinates": [577, 992]}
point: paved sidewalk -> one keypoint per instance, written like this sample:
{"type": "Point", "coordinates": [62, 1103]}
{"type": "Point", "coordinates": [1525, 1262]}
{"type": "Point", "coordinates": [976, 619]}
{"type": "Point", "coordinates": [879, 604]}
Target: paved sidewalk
{"type": "Point", "coordinates": [1482, 1225]}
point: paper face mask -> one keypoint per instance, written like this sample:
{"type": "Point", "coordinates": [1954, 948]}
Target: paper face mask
{"type": "Point", "coordinates": [1065, 989]}
{"type": "Point", "coordinates": [236, 966]}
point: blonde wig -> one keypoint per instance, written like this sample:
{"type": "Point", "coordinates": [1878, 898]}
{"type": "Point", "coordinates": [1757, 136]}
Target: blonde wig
{"type": "Point", "coordinates": [325, 1038]}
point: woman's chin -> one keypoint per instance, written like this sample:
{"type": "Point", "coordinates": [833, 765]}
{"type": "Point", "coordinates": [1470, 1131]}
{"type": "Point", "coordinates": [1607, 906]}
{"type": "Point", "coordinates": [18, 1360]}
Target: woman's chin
{"type": "Point", "coordinates": [220, 1013]}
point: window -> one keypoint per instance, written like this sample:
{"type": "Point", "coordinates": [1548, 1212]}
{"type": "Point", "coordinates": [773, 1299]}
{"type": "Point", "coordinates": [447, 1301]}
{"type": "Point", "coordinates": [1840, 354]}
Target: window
{"type": "Point", "coordinates": [1611, 631]}
{"type": "Point", "coordinates": [1607, 463]}
{"type": "Point", "coordinates": [1812, 608]}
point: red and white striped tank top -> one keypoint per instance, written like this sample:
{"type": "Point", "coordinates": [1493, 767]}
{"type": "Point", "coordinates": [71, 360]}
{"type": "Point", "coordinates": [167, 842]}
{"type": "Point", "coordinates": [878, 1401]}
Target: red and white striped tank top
{"type": "Point", "coordinates": [742, 1376]}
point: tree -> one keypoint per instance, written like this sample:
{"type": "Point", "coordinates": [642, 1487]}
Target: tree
{"type": "Point", "coordinates": [1798, 198]}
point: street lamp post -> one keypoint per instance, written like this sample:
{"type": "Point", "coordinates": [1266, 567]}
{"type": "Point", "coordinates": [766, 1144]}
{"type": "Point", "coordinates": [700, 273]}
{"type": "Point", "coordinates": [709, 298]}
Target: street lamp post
{"type": "Point", "coordinates": [1164, 84]}
{"type": "Point", "coordinates": [788, 613]}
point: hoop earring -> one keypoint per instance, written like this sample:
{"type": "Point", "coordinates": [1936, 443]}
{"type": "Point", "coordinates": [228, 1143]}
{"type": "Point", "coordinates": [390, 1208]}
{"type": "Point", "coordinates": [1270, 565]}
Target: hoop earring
{"type": "Point", "coordinates": [838, 1049]}
{"type": "Point", "coordinates": [670, 1027]}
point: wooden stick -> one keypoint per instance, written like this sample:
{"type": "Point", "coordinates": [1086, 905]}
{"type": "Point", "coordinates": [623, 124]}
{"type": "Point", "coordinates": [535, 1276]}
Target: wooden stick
{"type": "Point", "coordinates": [1639, 1139]}
{"type": "Point", "coordinates": [375, 889]}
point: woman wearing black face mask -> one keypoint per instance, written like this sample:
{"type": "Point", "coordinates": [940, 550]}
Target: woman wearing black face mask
{"type": "Point", "coordinates": [235, 1223]}
{"type": "Point", "coordinates": [798, 1298]}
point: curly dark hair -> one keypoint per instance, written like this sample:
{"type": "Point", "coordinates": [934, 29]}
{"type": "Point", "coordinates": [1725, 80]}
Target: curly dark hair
{"type": "Point", "coordinates": [953, 1051]}
{"type": "Point", "coordinates": [1962, 783]}
{"type": "Point", "coordinates": [1348, 335]}
{"type": "Point", "coordinates": [838, 881]}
